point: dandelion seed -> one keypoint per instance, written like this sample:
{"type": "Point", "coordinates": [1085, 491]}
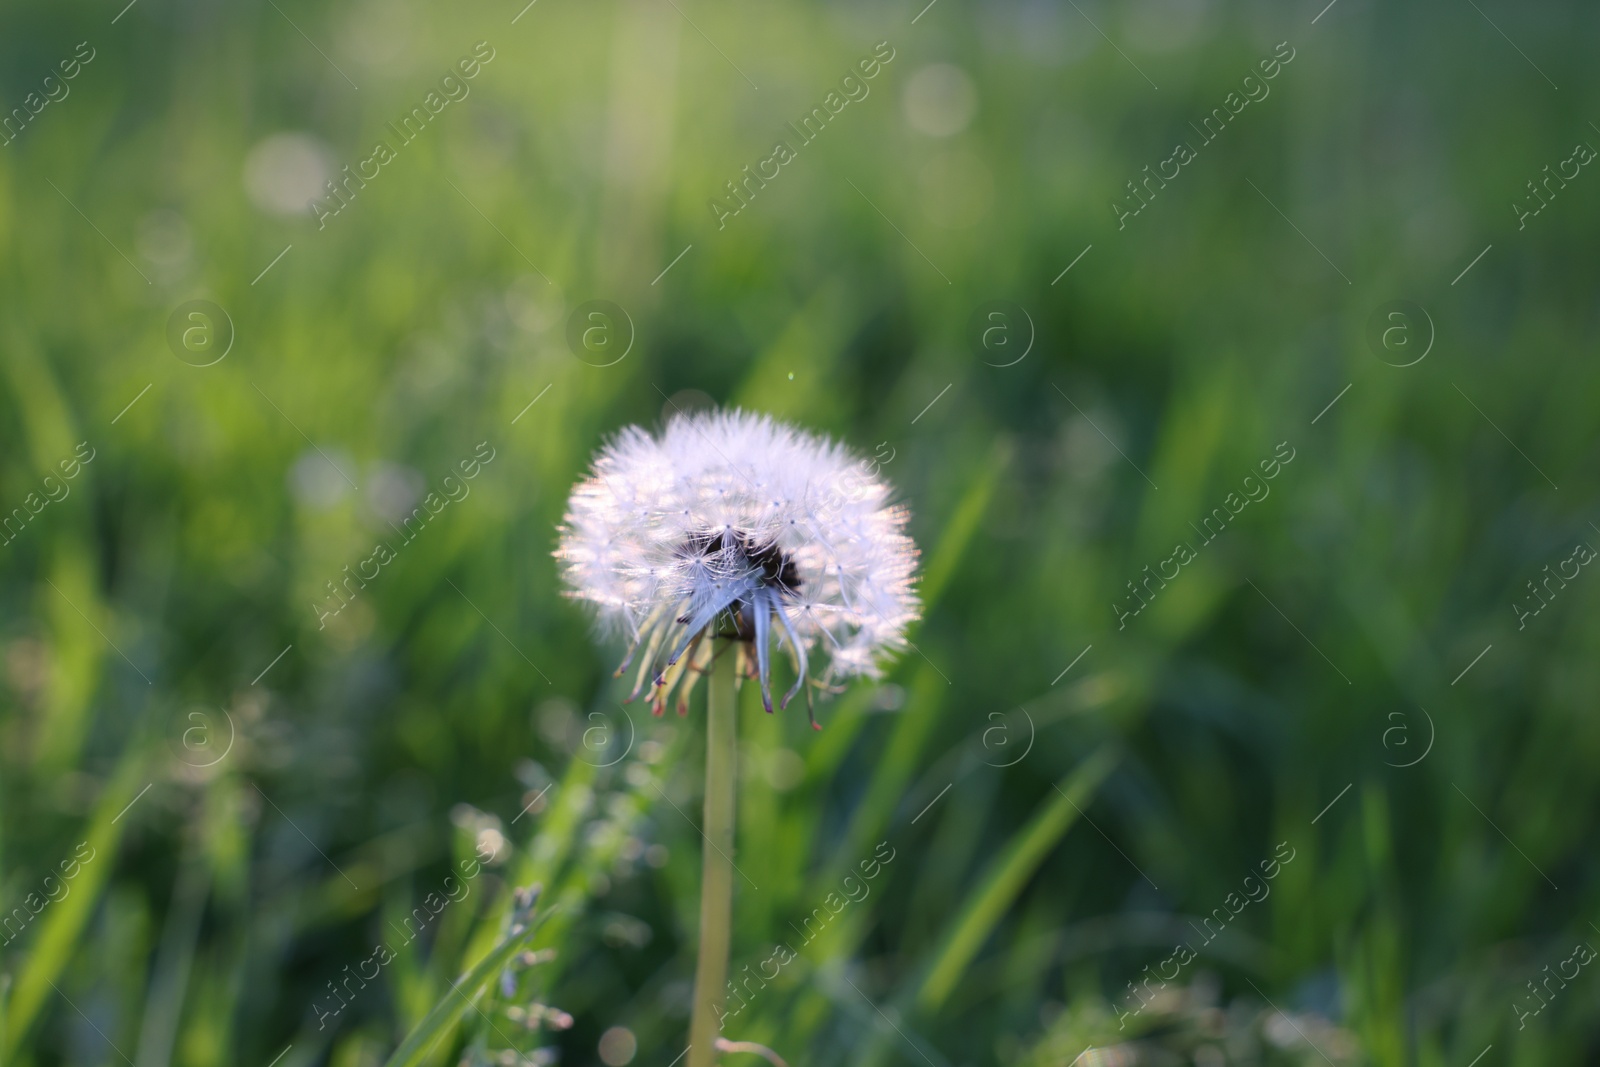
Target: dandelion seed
{"type": "Point", "coordinates": [733, 525]}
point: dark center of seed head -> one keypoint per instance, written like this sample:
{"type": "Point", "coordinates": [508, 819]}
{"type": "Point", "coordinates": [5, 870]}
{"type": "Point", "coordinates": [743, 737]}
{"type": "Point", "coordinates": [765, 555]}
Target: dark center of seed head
{"type": "Point", "coordinates": [775, 567]}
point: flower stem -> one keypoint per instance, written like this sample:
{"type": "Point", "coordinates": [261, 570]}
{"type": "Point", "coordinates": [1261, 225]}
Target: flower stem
{"type": "Point", "coordinates": [716, 877]}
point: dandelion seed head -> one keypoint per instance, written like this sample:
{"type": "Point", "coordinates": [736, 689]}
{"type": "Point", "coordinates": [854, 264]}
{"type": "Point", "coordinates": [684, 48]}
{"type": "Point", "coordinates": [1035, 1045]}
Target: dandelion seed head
{"type": "Point", "coordinates": [733, 517]}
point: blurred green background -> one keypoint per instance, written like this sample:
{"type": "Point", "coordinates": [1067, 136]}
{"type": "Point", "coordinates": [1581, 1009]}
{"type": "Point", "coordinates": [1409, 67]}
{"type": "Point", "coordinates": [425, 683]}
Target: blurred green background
{"type": "Point", "coordinates": [217, 802]}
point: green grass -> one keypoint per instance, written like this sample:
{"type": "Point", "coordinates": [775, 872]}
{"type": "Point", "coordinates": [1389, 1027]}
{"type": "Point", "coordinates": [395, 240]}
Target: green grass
{"type": "Point", "coordinates": [300, 808]}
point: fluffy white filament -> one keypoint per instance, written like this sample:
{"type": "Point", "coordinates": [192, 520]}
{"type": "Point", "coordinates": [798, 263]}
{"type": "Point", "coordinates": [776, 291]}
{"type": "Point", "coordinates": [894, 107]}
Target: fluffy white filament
{"type": "Point", "coordinates": [733, 516]}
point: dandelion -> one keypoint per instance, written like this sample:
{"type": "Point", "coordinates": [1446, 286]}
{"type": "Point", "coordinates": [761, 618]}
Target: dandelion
{"type": "Point", "coordinates": [732, 524]}
{"type": "Point", "coordinates": [733, 530]}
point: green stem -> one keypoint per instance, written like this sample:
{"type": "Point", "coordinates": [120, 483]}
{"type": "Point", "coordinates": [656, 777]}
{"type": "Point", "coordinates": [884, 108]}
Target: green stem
{"type": "Point", "coordinates": [716, 879]}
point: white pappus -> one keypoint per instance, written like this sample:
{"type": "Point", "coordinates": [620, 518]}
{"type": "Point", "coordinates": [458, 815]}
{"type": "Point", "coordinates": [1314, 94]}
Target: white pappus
{"type": "Point", "coordinates": [732, 524]}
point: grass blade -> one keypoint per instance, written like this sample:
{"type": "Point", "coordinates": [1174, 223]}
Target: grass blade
{"type": "Point", "coordinates": [1006, 877]}
{"type": "Point", "coordinates": [63, 922]}
{"type": "Point", "coordinates": [961, 528]}
{"type": "Point", "coordinates": [415, 1048]}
